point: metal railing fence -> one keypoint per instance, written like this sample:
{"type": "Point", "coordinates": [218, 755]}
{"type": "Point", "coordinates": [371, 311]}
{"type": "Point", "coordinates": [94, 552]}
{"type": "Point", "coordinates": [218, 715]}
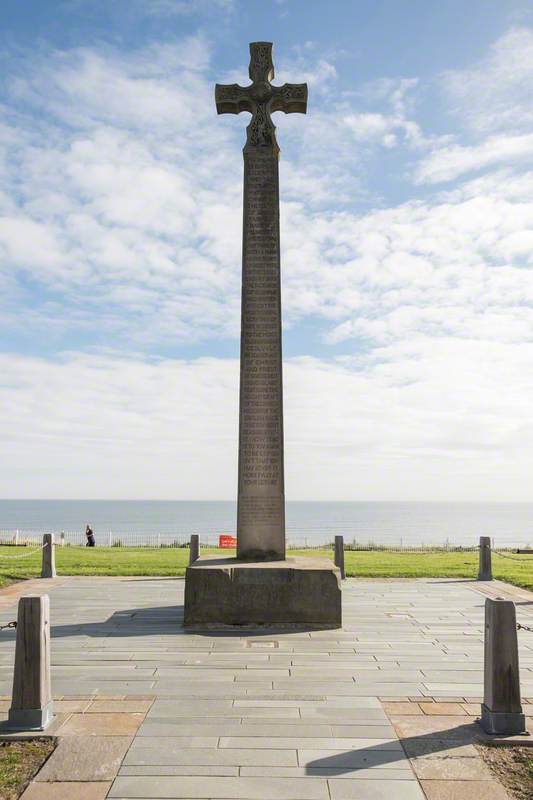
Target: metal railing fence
{"type": "Point", "coordinates": [296, 540]}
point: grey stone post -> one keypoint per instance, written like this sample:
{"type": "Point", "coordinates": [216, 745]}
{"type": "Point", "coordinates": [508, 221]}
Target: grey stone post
{"type": "Point", "coordinates": [485, 559]}
{"type": "Point", "coordinates": [501, 712]}
{"type": "Point", "coordinates": [194, 548]}
{"type": "Point", "coordinates": [31, 703]}
{"type": "Point", "coordinates": [48, 569]}
{"type": "Point", "coordinates": [339, 555]}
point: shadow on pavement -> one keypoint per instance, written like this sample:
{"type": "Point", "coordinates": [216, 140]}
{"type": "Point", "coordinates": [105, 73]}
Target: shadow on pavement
{"type": "Point", "coordinates": [429, 744]}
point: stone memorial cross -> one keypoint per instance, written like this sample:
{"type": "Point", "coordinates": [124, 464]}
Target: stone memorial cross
{"type": "Point", "coordinates": [261, 493]}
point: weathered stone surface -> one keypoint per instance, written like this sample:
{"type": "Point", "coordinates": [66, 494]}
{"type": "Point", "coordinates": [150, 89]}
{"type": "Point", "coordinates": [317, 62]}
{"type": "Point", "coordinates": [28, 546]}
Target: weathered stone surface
{"type": "Point", "coordinates": [67, 790]}
{"type": "Point", "coordinates": [485, 559]}
{"type": "Point", "coordinates": [31, 704]}
{"type": "Point", "coordinates": [261, 493]}
{"type": "Point", "coordinates": [85, 758]}
{"type": "Point", "coordinates": [501, 711]}
{"type": "Point", "coordinates": [194, 548]}
{"type": "Point", "coordinates": [102, 724]}
{"type": "Point", "coordinates": [48, 567]}
{"type": "Point", "coordinates": [298, 591]}
{"type": "Point", "coordinates": [451, 769]}
{"type": "Point", "coordinates": [339, 555]}
{"type": "Point", "coordinates": [463, 790]}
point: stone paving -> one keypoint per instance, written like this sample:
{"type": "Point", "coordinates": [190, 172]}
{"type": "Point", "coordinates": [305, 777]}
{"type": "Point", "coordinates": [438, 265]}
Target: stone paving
{"type": "Point", "coordinates": [384, 708]}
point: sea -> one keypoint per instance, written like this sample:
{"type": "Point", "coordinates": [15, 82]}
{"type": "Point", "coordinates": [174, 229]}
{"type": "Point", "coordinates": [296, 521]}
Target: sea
{"type": "Point", "coordinates": [392, 524]}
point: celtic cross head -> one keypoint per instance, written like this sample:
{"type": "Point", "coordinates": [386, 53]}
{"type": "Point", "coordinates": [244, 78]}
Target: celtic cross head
{"type": "Point", "coordinates": [261, 98]}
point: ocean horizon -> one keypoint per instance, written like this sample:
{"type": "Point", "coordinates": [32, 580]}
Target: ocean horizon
{"type": "Point", "coordinates": [391, 523]}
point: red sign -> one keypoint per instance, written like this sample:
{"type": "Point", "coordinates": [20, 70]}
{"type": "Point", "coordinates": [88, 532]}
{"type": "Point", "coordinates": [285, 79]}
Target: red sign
{"type": "Point", "coordinates": [224, 541]}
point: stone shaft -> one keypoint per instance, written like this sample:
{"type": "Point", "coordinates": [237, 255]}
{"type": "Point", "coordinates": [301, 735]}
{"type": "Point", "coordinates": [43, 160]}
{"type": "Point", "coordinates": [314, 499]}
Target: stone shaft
{"type": "Point", "coordinates": [261, 496]}
{"type": "Point", "coordinates": [501, 712]}
{"type": "Point", "coordinates": [485, 559]}
{"type": "Point", "coordinates": [31, 705]}
{"type": "Point", "coordinates": [48, 568]}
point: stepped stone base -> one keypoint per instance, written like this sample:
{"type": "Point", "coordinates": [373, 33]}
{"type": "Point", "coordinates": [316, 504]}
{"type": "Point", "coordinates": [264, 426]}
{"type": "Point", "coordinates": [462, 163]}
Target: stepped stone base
{"type": "Point", "coordinates": [297, 591]}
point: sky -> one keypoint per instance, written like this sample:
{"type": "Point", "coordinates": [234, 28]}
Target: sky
{"type": "Point", "coordinates": [406, 247]}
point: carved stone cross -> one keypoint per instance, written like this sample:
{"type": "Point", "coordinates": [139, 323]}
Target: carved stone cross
{"type": "Point", "coordinates": [261, 492]}
{"type": "Point", "coordinates": [261, 98]}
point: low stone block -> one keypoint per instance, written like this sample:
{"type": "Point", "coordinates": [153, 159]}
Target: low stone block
{"type": "Point", "coordinates": [297, 591]}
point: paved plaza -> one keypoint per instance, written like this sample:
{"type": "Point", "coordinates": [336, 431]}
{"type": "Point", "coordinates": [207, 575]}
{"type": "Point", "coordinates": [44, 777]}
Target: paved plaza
{"type": "Point", "coordinates": [384, 708]}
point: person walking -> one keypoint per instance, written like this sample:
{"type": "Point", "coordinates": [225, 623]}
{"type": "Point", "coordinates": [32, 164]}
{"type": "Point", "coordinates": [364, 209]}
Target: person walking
{"type": "Point", "coordinates": [91, 541]}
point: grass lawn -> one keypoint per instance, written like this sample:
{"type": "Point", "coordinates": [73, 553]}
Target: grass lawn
{"type": "Point", "coordinates": [19, 762]}
{"type": "Point", "coordinates": [172, 561]}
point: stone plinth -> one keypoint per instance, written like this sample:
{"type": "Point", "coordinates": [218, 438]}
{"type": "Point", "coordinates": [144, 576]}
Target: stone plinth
{"type": "Point", "coordinates": [297, 591]}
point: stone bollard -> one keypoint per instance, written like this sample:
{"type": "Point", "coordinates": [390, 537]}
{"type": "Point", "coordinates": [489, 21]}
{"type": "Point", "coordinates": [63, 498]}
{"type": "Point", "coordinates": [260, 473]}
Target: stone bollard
{"type": "Point", "coordinates": [339, 555]}
{"type": "Point", "coordinates": [485, 559]}
{"type": "Point", "coordinates": [501, 711]}
{"type": "Point", "coordinates": [31, 703]}
{"type": "Point", "coordinates": [194, 548]}
{"type": "Point", "coordinates": [48, 569]}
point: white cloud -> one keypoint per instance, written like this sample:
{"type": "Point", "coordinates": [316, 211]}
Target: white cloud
{"type": "Point", "coordinates": [447, 163]}
{"type": "Point", "coordinates": [492, 101]}
{"type": "Point", "coordinates": [120, 220]}
{"type": "Point", "coordinates": [394, 425]}
{"type": "Point", "coordinates": [495, 94]}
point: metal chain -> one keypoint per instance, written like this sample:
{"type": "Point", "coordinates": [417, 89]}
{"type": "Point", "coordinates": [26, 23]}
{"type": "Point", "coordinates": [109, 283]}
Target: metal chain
{"type": "Point", "coordinates": [8, 625]}
{"type": "Point", "coordinates": [25, 555]}
{"type": "Point", "coordinates": [520, 627]}
{"type": "Point", "coordinates": [511, 558]}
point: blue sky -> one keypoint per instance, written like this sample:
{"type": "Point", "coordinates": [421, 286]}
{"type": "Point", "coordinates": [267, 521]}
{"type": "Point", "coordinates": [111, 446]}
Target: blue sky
{"type": "Point", "coordinates": [407, 233]}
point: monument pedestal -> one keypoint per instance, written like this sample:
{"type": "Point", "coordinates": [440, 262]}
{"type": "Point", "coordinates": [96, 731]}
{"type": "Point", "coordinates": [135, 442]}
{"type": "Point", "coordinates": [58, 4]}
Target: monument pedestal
{"type": "Point", "coordinates": [298, 591]}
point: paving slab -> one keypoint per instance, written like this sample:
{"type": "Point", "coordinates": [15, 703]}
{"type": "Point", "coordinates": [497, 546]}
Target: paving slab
{"type": "Point", "coordinates": [374, 790]}
{"type": "Point", "coordinates": [66, 791]}
{"type": "Point", "coordinates": [168, 753]}
{"type": "Point", "coordinates": [114, 724]}
{"type": "Point", "coordinates": [221, 787]}
{"type": "Point", "coordinates": [85, 758]}
{"type": "Point", "coordinates": [464, 790]}
{"type": "Point", "coordinates": [240, 709]}
{"type": "Point", "coordinates": [330, 743]}
{"type": "Point", "coordinates": [451, 769]}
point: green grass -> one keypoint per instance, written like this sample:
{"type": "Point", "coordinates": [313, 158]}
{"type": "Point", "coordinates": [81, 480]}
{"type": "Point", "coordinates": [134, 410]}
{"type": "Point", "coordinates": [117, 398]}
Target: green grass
{"type": "Point", "coordinates": [172, 561]}
{"type": "Point", "coordinates": [19, 762]}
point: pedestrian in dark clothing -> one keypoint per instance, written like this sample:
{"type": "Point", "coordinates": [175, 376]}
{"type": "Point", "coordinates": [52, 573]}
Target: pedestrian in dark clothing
{"type": "Point", "coordinates": [91, 541]}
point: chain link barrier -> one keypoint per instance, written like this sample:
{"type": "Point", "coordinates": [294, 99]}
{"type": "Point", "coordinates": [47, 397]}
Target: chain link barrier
{"type": "Point", "coordinates": [510, 558]}
{"type": "Point", "coordinates": [26, 555]}
{"type": "Point", "coordinates": [8, 625]}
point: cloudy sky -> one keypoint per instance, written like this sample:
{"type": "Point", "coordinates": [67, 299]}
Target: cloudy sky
{"type": "Point", "coordinates": [407, 241]}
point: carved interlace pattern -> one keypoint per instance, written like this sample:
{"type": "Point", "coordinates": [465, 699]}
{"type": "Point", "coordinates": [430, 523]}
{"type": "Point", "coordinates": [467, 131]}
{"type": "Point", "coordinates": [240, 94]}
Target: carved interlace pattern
{"type": "Point", "coordinates": [260, 62]}
{"type": "Point", "coordinates": [261, 129]}
{"type": "Point", "coordinates": [232, 92]}
{"type": "Point", "coordinates": [291, 91]}
{"type": "Point", "coordinates": [261, 98]}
